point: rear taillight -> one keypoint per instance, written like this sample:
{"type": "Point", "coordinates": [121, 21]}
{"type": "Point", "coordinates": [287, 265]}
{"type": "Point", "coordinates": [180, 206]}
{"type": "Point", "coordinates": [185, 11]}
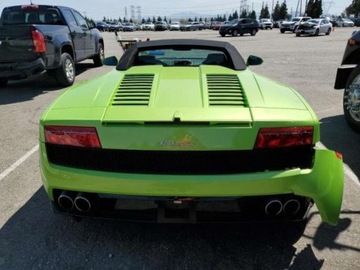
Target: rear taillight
{"type": "Point", "coordinates": [39, 41]}
{"type": "Point", "coordinates": [284, 137]}
{"type": "Point", "coordinates": [74, 136]}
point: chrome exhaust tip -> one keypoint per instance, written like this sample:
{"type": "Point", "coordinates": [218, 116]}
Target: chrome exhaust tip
{"type": "Point", "coordinates": [273, 207]}
{"type": "Point", "coordinates": [291, 207]}
{"type": "Point", "coordinates": [82, 202]}
{"type": "Point", "coordinates": [66, 201]}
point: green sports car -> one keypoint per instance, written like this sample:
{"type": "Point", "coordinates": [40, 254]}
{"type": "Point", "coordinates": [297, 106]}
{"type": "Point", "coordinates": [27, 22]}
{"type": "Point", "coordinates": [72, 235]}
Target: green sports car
{"type": "Point", "coordinates": [183, 131]}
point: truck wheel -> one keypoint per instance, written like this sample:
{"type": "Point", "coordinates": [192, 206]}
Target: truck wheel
{"type": "Point", "coordinates": [99, 57]}
{"type": "Point", "coordinates": [3, 82]}
{"type": "Point", "coordinates": [65, 74]}
{"type": "Point", "coordinates": [282, 31]}
{"type": "Point", "coordinates": [351, 103]}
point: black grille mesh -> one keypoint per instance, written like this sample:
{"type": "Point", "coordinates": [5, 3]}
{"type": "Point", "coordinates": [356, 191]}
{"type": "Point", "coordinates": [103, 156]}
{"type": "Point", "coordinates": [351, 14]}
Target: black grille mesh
{"type": "Point", "coordinates": [180, 162]}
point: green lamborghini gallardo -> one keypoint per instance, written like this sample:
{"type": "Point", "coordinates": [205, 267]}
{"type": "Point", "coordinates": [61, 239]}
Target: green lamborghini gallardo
{"type": "Point", "coordinates": [183, 131]}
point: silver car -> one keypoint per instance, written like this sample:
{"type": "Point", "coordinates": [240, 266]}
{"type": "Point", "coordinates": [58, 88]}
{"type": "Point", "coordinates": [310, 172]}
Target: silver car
{"type": "Point", "coordinates": [314, 27]}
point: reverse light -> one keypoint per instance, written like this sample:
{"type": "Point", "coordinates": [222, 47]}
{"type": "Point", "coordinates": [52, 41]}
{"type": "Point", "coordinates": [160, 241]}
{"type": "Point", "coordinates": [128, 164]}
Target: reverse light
{"type": "Point", "coordinates": [74, 136]}
{"type": "Point", "coordinates": [38, 41]}
{"type": "Point", "coordinates": [284, 137]}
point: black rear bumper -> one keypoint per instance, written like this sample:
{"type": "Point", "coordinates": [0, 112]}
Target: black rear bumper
{"type": "Point", "coordinates": [21, 70]}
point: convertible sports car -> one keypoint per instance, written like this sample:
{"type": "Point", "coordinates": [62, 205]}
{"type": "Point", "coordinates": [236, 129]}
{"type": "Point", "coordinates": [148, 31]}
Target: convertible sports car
{"type": "Point", "coordinates": [183, 131]}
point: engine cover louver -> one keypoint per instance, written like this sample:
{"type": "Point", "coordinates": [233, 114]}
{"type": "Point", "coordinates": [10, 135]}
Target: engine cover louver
{"type": "Point", "coordinates": [225, 90]}
{"type": "Point", "coordinates": [134, 90]}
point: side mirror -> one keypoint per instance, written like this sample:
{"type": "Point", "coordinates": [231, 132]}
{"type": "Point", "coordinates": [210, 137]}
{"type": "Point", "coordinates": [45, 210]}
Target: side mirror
{"type": "Point", "coordinates": [254, 60]}
{"type": "Point", "coordinates": [110, 61]}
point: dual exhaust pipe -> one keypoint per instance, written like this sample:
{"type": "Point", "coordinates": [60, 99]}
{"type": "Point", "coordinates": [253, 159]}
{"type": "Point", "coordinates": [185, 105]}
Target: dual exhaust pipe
{"type": "Point", "coordinates": [275, 207]}
{"type": "Point", "coordinates": [81, 201]}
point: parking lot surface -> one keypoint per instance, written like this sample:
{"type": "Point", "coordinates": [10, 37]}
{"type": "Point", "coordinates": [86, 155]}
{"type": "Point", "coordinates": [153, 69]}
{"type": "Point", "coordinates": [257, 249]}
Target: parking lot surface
{"type": "Point", "coordinates": [32, 237]}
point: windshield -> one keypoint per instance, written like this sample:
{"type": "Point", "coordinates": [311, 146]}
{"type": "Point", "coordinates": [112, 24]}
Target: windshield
{"type": "Point", "coordinates": [295, 19]}
{"type": "Point", "coordinates": [173, 57]}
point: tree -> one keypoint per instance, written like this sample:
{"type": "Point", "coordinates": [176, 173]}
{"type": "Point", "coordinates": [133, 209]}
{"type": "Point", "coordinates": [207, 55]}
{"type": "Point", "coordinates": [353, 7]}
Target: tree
{"type": "Point", "coordinates": [264, 13]}
{"type": "Point", "coordinates": [354, 8]}
{"type": "Point", "coordinates": [283, 11]}
{"type": "Point", "coordinates": [276, 13]}
{"type": "Point", "coordinates": [243, 14]}
{"type": "Point", "coordinates": [252, 15]}
{"type": "Point", "coordinates": [314, 8]}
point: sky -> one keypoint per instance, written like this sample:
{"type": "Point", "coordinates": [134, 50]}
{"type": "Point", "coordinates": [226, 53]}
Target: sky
{"type": "Point", "coordinates": [114, 9]}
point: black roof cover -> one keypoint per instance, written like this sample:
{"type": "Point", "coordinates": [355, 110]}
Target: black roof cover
{"type": "Point", "coordinates": [229, 50]}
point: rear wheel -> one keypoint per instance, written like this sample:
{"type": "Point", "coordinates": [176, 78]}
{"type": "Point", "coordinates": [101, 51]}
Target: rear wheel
{"type": "Point", "coordinates": [351, 102]}
{"type": "Point", "coordinates": [253, 32]}
{"type": "Point", "coordinates": [3, 82]}
{"type": "Point", "coordinates": [99, 57]}
{"type": "Point", "coordinates": [317, 32]}
{"type": "Point", "coordinates": [328, 31]}
{"type": "Point", "coordinates": [65, 74]}
{"type": "Point", "coordinates": [234, 33]}
{"type": "Point", "coordinates": [282, 31]}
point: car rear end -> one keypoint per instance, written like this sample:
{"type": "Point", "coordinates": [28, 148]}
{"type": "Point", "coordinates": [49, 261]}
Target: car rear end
{"type": "Point", "coordinates": [201, 157]}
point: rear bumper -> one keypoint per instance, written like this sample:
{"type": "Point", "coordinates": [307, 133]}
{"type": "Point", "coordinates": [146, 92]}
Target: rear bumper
{"type": "Point", "coordinates": [21, 70]}
{"type": "Point", "coordinates": [322, 184]}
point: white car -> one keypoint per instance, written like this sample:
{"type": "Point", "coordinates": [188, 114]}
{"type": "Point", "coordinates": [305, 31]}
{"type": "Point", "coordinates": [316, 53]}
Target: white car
{"type": "Point", "coordinates": [174, 26]}
{"type": "Point", "coordinates": [314, 27]}
{"type": "Point", "coordinates": [344, 23]}
{"type": "Point", "coordinates": [148, 26]}
{"type": "Point", "coordinates": [266, 23]}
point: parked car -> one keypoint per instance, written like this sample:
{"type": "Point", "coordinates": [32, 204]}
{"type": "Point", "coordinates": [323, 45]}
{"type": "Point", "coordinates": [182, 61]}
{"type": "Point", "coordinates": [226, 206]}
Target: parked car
{"type": "Point", "coordinates": [348, 78]}
{"type": "Point", "coordinates": [219, 147]}
{"type": "Point", "coordinates": [148, 26]}
{"type": "Point", "coordinates": [266, 24]}
{"type": "Point", "coordinates": [38, 38]}
{"type": "Point", "coordinates": [102, 26]}
{"type": "Point", "coordinates": [293, 24]}
{"type": "Point", "coordinates": [161, 26]}
{"type": "Point", "coordinates": [314, 27]}
{"type": "Point", "coordinates": [128, 27]}
{"type": "Point", "coordinates": [215, 25]}
{"type": "Point", "coordinates": [174, 26]}
{"type": "Point", "coordinates": [115, 26]}
{"type": "Point", "coordinates": [191, 26]}
{"type": "Point", "coordinates": [343, 22]}
{"type": "Point", "coordinates": [240, 27]}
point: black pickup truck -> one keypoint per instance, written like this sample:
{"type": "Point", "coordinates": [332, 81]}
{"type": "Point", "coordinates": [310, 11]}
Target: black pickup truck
{"type": "Point", "coordinates": [38, 38]}
{"type": "Point", "coordinates": [348, 78]}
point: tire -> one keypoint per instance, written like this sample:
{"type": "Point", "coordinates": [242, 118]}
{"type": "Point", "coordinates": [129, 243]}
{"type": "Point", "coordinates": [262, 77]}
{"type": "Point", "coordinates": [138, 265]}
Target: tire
{"type": "Point", "coordinates": [351, 104]}
{"type": "Point", "coordinates": [317, 32]}
{"type": "Point", "coordinates": [223, 35]}
{"type": "Point", "coordinates": [282, 31]}
{"type": "Point", "coordinates": [253, 32]}
{"type": "Point", "coordinates": [328, 31]}
{"type": "Point", "coordinates": [65, 74]}
{"type": "Point", "coordinates": [234, 33]}
{"type": "Point", "coordinates": [99, 57]}
{"type": "Point", "coordinates": [298, 35]}
{"type": "Point", "coordinates": [3, 82]}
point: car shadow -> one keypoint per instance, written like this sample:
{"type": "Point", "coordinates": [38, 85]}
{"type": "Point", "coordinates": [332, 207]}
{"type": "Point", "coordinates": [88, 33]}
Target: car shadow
{"type": "Point", "coordinates": [338, 136]}
{"type": "Point", "coordinates": [35, 238]}
{"type": "Point", "coordinates": [27, 89]}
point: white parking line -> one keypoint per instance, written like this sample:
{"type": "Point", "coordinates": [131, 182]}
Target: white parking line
{"type": "Point", "coordinates": [19, 162]}
{"type": "Point", "coordinates": [348, 172]}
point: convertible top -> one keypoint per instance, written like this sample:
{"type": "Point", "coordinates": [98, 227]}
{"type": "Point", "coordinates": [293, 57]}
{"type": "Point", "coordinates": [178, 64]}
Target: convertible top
{"type": "Point", "coordinates": [128, 58]}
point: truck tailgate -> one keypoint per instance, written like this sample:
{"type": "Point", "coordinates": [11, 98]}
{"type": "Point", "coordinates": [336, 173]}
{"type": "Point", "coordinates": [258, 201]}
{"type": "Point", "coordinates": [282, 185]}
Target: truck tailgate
{"type": "Point", "coordinates": [16, 43]}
